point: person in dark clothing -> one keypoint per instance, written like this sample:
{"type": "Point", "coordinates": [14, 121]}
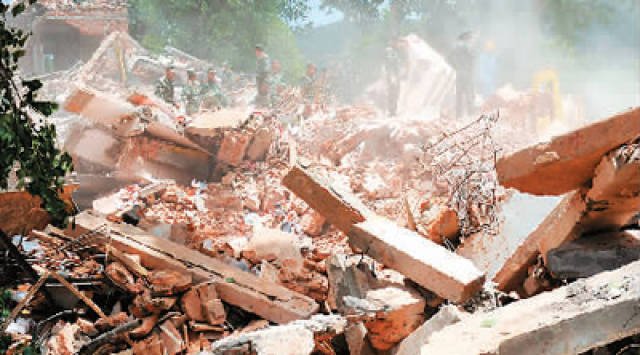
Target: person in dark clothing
{"type": "Point", "coordinates": [463, 61]}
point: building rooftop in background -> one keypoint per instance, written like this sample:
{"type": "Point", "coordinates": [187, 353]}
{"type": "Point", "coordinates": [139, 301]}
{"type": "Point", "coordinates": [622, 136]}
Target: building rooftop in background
{"type": "Point", "coordinates": [66, 31]}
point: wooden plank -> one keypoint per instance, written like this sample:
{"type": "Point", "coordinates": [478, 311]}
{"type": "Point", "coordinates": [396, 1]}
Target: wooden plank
{"type": "Point", "coordinates": [338, 207]}
{"type": "Point", "coordinates": [569, 320]}
{"type": "Point", "coordinates": [245, 290]}
{"type": "Point", "coordinates": [435, 268]}
{"type": "Point", "coordinates": [129, 263]}
{"type": "Point", "coordinates": [567, 162]}
{"type": "Point", "coordinates": [18, 308]}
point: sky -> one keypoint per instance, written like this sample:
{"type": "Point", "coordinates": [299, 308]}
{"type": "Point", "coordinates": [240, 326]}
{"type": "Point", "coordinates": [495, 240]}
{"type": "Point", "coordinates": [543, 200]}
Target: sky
{"type": "Point", "coordinates": [320, 17]}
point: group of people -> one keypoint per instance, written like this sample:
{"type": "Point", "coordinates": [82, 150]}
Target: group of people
{"type": "Point", "coordinates": [204, 93]}
{"type": "Point", "coordinates": [270, 84]}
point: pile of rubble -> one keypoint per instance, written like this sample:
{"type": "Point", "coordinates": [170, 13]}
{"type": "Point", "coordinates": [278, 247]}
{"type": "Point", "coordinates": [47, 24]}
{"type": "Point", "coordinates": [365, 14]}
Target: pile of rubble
{"type": "Point", "coordinates": [232, 233]}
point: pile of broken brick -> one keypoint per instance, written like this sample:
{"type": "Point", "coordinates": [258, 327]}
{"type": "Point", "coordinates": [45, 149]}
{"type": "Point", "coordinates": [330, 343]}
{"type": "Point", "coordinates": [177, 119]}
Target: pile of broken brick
{"type": "Point", "coordinates": [245, 266]}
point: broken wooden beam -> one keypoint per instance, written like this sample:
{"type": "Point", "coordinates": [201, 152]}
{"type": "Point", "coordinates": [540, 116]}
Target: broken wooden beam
{"type": "Point", "coordinates": [27, 298]}
{"type": "Point", "coordinates": [431, 266]}
{"type": "Point", "coordinates": [567, 162]}
{"type": "Point", "coordinates": [569, 320]}
{"type": "Point", "coordinates": [338, 207]}
{"type": "Point", "coordinates": [234, 286]}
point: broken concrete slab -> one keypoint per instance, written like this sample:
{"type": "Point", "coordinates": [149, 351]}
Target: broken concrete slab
{"type": "Point", "coordinates": [614, 197]}
{"type": "Point", "coordinates": [392, 314]}
{"type": "Point", "coordinates": [558, 226]}
{"type": "Point", "coordinates": [519, 216]}
{"type": "Point", "coordinates": [234, 286]}
{"type": "Point", "coordinates": [233, 148]}
{"type": "Point", "coordinates": [567, 162]}
{"type": "Point", "coordinates": [260, 144]}
{"type": "Point", "coordinates": [356, 336]}
{"type": "Point", "coordinates": [431, 266]}
{"type": "Point", "coordinates": [446, 316]}
{"type": "Point", "coordinates": [210, 123]}
{"type": "Point", "coordinates": [94, 145]}
{"type": "Point", "coordinates": [295, 338]}
{"type": "Point", "coordinates": [99, 107]}
{"type": "Point", "coordinates": [593, 254]}
{"type": "Point", "coordinates": [338, 207]}
{"type": "Point", "coordinates": [569, 320]}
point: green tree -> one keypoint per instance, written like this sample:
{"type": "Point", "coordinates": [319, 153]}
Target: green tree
{"type": "Point", "coordinates": [222, 30]}
{"type": "Point", "coordinates": [24, 138]}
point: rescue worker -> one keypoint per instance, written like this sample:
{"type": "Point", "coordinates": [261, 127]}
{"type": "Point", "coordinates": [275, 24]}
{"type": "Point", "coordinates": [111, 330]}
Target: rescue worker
{"type": "Point", "coordinates": [308, 89]}
{"type": "Point", "coordinates": [309, 84]}
{"type": "Point", "coordinates": [165, 87]}
{"type": "Point", "coordinates": [276, 85]}
{"type": "Point", "coordinates": [191, 93]}
{"type": "Point", "coordinates": [462, 59]}
{"type": "Point", "coordinates": [392, 78]}
{"type": "Point", "coordinates": [262, 76]}
{"type": "Point", "coordinates": [211, 92]}
{"type": "Point", "coordinates": [227, 77]}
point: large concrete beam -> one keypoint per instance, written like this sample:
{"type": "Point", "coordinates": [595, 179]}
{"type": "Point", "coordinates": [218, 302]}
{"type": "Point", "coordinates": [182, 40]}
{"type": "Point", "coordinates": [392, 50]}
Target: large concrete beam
{"type": "Point", "coordinates": [567, 162]}
{"type": "Point", "coordinates": [569, 320]}
{"type": "Point", "coordinates": [614, 198]}
{"type": "Point", "coordinates": [431, 266]}
{"type": "Point", "coordinates": [338, 207]}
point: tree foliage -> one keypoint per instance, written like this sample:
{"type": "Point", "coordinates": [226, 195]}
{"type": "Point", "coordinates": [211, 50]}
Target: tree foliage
{"type": "Point", "coordinates": [24, 139]}
{"type": "Point", "coordinates": [222, 30]}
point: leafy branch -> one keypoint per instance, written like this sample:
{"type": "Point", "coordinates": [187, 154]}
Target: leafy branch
{"type": "Point", "coordinates": [29, 142]}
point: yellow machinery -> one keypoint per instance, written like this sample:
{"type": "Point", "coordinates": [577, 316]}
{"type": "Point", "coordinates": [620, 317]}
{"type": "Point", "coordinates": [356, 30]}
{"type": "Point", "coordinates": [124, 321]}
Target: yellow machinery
{"type": "Point", "coordinates": [545, 84]}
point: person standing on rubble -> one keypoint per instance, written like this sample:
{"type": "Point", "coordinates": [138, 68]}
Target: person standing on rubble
{"type": "Point", "coordinates": [227, 77]}
{"type": "Point", "coordinates": [462, 59]}
{"type": "Point", "coordinates": [165, 87]}
{"type": "Point", "coordinates": [262, 76]}
{"type": "Point", "coordinates": [212, 95]}
{"type": "Point", "coordinates": [191, 93]}
{"type": "Point", "coordinates": [308, 89]}
{"type": "Point", "coordinates": [276, 85]}
{"type": "Point", "coordinates": [392, 78]}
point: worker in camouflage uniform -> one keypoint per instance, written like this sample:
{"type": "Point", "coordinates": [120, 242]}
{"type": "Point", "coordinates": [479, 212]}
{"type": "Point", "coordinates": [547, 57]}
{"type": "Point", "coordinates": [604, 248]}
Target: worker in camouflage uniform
{"type": "Point", "coordinates": [227, 77]}
{"type": "Point", "coordinates": [191, 93]}
{"type": "Point", "coordinates": [165, 87]}
{"type": "Point", "coordinates": [212, 95]}
{"type": "Point", "coordinates": [276, 85]}
{"type": "Point", "coordinates": [392, 78]}
{"type": "Point", "coordinates": [262, 76]}
{"type": "Point", "coordinates": [309, 84]}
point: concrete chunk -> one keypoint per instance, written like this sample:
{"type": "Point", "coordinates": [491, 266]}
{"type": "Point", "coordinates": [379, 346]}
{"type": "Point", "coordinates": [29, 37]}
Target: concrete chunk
{"type": "Point", "coordinates": [567, 162]}
{"type": "Point", "coordinates": [569, 320]}
{"type": "Point", "coordinates": [431, 266]}
{"type": "Point", "coordinates": [594, 254]}
{"type": "Point", "coordinates": [446, 316]}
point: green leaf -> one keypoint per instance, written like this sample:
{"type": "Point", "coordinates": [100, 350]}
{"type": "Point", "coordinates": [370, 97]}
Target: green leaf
{"type": "Point", "coordinates": [18, 9]}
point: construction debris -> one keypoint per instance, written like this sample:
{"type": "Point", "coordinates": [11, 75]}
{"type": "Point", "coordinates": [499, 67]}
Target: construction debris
{"type": "Point", "coordinates": [571, 320]}
{"type": "Point", "coordinates": [542, 169]}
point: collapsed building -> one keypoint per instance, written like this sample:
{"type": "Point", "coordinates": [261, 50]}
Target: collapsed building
{"type": "Point", "coordinates": [235, 232]}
